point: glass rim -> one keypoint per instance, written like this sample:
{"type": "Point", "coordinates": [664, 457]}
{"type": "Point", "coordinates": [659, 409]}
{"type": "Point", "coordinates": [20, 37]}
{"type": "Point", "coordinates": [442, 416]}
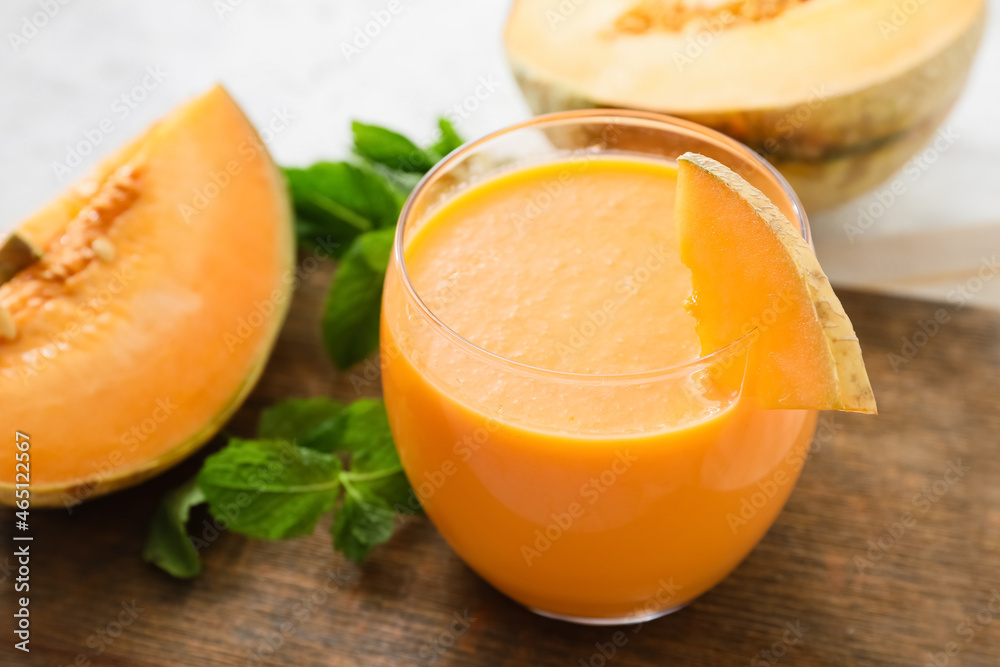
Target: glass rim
{"type": "Point", "coordinates": [586, 115]}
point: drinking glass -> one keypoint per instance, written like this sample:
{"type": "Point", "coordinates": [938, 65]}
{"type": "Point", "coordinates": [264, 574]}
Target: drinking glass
{"type": "Point", "coordinates": [600, 516]}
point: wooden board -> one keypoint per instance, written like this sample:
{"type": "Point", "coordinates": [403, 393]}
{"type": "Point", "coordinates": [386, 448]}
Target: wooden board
{"type": "Point", "coordinates": [900, 602]}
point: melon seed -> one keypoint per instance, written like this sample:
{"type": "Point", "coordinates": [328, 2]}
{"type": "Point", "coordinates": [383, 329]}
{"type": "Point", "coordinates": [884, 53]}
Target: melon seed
{"type": "Point", "coordinates": [102, 248]}
{"type": "Point", "coordinates": [16, 254]}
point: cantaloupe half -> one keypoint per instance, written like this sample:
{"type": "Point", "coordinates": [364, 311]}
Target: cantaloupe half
{"type": "Point", "coordinates": [754, 274]}
{"type": "Point", "coordinates": [164, 279]}
{"type": "Point", "coordinates": [837, 94]}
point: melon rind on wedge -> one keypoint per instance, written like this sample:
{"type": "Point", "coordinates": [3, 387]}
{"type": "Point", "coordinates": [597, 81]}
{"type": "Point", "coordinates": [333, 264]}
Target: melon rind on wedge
{"type": "Point", "coordinates": [752, 268]}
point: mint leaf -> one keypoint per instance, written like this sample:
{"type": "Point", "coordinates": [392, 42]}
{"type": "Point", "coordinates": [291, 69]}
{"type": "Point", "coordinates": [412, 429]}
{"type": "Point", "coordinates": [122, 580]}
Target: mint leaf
{"type": "Point", "coordinates": [390, 148]}
{"type": "Point", "coordinates": [375, 486]}
{"type": "Point", "coordinates": [403, 181]}
{"type": "Point", "coordinates": [316, 423]}
{"type": "Point", "coordinates": [367, 436]}
{"type": "Point", "coordinates": [341, 200]}
{"type": "Point", "coordinates": [270, 489]}
{"type": "Point", "coordinates": [167, 544]}
{"type": "Point", "coordinates": [449, 141]}
{"type": "Point", "coordinates": [375, 466]}
{"type": "Point", "coordinates": [320, 213]}
{"type": "Point", "coordinates": [351, 314]}
{"type": "Point", "coordinates": [361, 524]}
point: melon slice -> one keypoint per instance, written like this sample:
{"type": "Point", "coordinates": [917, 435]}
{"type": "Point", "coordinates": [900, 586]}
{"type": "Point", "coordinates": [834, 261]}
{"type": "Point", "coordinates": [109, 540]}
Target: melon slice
{"type": "Point", "coordinates": [754, 273]}
{"type": "Point", "coordinates": [164, 279]}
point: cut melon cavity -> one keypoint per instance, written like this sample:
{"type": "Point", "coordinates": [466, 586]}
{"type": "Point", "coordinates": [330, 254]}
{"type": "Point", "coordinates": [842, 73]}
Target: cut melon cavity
{"type": "Point", "coordinates": [753, 273]}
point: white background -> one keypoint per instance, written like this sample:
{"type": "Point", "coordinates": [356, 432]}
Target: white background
{"type": "Point", "coordinates": [62, 81]}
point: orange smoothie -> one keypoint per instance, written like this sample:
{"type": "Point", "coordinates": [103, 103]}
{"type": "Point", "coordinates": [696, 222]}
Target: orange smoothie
{"type": "Point", "coordinates": [550, 407]}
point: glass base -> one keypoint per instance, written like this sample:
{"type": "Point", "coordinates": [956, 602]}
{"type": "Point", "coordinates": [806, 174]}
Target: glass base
{"type": "Point", "coordinates": [620, 620]}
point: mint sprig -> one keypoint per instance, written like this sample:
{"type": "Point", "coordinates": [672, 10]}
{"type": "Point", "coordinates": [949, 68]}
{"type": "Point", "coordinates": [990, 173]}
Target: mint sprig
{"type": "Point", "coordinates": [318, 455]}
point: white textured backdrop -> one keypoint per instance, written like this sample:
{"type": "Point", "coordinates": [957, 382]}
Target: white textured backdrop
{"type": "Point", "coordinates": [60, 81]}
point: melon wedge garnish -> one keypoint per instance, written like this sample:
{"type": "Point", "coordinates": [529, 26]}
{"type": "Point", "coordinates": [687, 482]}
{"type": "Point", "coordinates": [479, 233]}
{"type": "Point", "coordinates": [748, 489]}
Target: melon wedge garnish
{"type": "Point", "coordinates": [753, 273]}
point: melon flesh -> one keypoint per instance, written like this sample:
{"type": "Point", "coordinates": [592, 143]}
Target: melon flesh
{"type": "Point", "coordinates": [754, 274]}
{"type": "Point", "coordinates": [163, 284]}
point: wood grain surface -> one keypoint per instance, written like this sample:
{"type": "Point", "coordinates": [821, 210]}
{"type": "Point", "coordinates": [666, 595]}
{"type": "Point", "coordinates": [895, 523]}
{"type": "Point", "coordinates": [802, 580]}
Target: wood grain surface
{"type": "Point", "coordinates": [857, 589]}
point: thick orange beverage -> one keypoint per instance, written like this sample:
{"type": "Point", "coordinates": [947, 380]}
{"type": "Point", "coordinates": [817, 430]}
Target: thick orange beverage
{"type": "Point", "coordinates": [545, 392]}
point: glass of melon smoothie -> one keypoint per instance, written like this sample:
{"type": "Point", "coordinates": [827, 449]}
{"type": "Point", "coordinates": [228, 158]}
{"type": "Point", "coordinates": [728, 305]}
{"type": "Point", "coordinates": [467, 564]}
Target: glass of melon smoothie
{"type": "Point", "coordinates": [544, 381]}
